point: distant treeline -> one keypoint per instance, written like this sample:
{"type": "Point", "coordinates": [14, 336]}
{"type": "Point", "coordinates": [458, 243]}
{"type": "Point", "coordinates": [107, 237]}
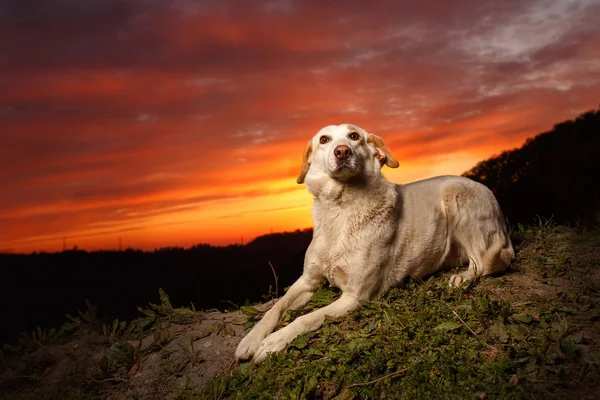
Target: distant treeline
{"type": "Point", "coordinates": [554, 175]}
{"type": "Point", "coordinates": [40, 288]}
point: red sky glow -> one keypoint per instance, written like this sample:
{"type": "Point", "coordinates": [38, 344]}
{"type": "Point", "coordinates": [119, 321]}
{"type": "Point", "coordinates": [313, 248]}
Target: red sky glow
{"type": "Point", "coordinates": [171, 123]}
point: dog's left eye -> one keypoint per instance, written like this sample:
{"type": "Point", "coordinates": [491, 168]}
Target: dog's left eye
{"type": "Point", "coordinates": [354, 136]}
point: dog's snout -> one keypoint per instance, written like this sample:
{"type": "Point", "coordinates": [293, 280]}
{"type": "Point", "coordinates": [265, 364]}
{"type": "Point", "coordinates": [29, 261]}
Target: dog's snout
{"type": "Point", "coordinates": [342, 152]}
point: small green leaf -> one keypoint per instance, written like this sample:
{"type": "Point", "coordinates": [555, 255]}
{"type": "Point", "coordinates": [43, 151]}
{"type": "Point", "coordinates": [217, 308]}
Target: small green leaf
{"type": "Point", "coordinates": [517, 332]}
{"type": "Point", "coordinates": [218, 327]}
{"type": "Point", "coordinates": [148, 312]}
{"type": "Point", "coordinates": [299, 343]}
{"type": "Point", "coordinates": [558, 329]}
{"type": "Point", "coordinates": [250, 311]}
{"type": "Point", "coordinates": [371, 325]}
{"type": "Point", "coordinates": [310, 383]}
{"type": "Point", "coordinates": [311, 351]}
{"type": "Point", "coordinates": [360, 344]}
{"type": "Point", "coordinates": [164, 299]}
{"type": "Point", "coordinates": [447, 326]}
{"type": "Point", "coordinates": [499, 330]}
{"type": "Point", "coordinates": [525, 318]}
{"type": "Point", "coordinates": [575, 337]}
{"type": "Point", "coordinates": [183, 316]}
{"type": "Point", "coordinates": [346, 394]}
{"type": "Point", "coordinates": [228, 330]}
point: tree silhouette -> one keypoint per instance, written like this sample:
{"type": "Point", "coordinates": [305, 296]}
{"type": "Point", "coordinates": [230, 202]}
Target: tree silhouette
{"type": "Point", "coordinates": [553, 175]}
{"type": "Point", "coordinates": [40, 288]}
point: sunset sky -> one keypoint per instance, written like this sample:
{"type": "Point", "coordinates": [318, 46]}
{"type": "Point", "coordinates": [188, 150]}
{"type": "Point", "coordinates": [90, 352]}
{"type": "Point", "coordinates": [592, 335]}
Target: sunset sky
{"type": "Point", "coordinates": [170, 123]}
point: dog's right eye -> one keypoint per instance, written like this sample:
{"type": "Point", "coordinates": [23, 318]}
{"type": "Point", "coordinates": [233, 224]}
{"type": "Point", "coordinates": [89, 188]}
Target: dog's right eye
{"type": "Point", "coordinates": [354, 136]}
{"type": "Point", "coordinates": [323, 139]}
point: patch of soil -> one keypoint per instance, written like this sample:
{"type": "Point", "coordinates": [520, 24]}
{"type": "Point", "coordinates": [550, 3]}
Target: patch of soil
{"type": "Point", "coordinates": [193, 355]}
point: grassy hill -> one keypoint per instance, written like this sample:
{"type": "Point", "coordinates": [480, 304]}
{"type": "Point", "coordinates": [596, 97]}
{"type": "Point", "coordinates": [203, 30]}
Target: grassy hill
{"type": "Point", "coordinates": [531, 333]}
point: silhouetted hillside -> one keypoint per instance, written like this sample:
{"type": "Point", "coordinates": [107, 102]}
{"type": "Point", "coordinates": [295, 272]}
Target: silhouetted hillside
{"type": "Point", "coordinates": [39, 289]}
{"type": "Point", "coordinates": [554, 174]}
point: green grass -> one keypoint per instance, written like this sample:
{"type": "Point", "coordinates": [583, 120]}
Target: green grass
{"type": "Point", "coordinates": [531, 333]}
{"type": "Point", "coordinates": [428, 341]}
{"type": "Point", "coordinates": [412, 345]}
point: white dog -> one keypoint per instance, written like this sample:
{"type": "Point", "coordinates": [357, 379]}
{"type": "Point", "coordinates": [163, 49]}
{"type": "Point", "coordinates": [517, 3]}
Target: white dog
{"type": "Point", "coordinates": [370, 234]}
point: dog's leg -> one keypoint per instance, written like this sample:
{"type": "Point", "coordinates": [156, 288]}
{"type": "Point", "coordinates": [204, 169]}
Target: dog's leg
{"type": "Point", "coordinates": [306, 323]}
{"type": "Point", "coordinates": [475, 269]}
{"type": "Point", "coordinates": [296, 297]}
{"type": "Point", "coordinates": [493, 260]}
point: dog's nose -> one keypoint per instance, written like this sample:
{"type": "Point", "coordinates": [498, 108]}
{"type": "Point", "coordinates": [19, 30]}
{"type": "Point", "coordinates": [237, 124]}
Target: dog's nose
{"type": "Point", "coordinates": [342, 152]}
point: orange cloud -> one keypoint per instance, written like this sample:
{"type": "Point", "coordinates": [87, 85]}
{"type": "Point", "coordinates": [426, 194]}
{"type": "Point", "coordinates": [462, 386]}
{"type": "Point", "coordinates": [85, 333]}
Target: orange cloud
{"type": "Point", "coordinates": [173, 124]}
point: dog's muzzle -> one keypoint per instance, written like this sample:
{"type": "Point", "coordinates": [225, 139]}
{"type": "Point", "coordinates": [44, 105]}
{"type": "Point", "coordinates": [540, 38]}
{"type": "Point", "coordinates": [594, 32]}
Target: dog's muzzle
{"type": "Point", "coordinates": [342, 154]}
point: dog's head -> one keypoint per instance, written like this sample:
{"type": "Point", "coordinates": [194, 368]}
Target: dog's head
{"type": "Point", "coordinates": [344, 151]}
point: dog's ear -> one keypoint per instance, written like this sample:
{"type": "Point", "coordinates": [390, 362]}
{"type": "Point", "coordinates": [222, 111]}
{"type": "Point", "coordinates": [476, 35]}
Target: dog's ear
{"type": "Point", "coordinates": [305, 162]}
{"type": "Point", "coordinates": [383, 154]}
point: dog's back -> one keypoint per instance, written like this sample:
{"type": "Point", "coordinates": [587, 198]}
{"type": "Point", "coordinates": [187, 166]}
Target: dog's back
{"type": "Point", "coordinates": [447, 221]}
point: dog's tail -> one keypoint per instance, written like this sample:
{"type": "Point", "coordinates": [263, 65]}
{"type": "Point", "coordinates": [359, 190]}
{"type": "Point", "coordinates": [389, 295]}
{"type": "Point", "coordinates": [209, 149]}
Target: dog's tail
{"type": "Point", "coordinates": [500, 256]}
{"type": "Point", "coordinates": [506, 256]}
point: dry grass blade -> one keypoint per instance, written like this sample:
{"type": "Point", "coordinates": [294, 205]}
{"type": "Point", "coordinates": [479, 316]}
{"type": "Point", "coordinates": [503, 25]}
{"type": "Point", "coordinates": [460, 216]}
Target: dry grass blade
{"type": "Point", "coordinates": [464, 323]}
{"type": "Point", "coordinates": [378, 379]}
{"type": "Point", "coordinates": [276, 280]}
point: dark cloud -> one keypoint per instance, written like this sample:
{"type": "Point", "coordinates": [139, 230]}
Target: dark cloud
{"type": "Point", "coordinates": [229, 37]}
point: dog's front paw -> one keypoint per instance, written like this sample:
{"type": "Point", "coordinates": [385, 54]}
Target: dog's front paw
{"type": "Point", "coordinates": [249, 344]}
{"type": "Point", "coordinates": [273, 343]}
{"type": "Point", "coordinates": [457, 280]}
